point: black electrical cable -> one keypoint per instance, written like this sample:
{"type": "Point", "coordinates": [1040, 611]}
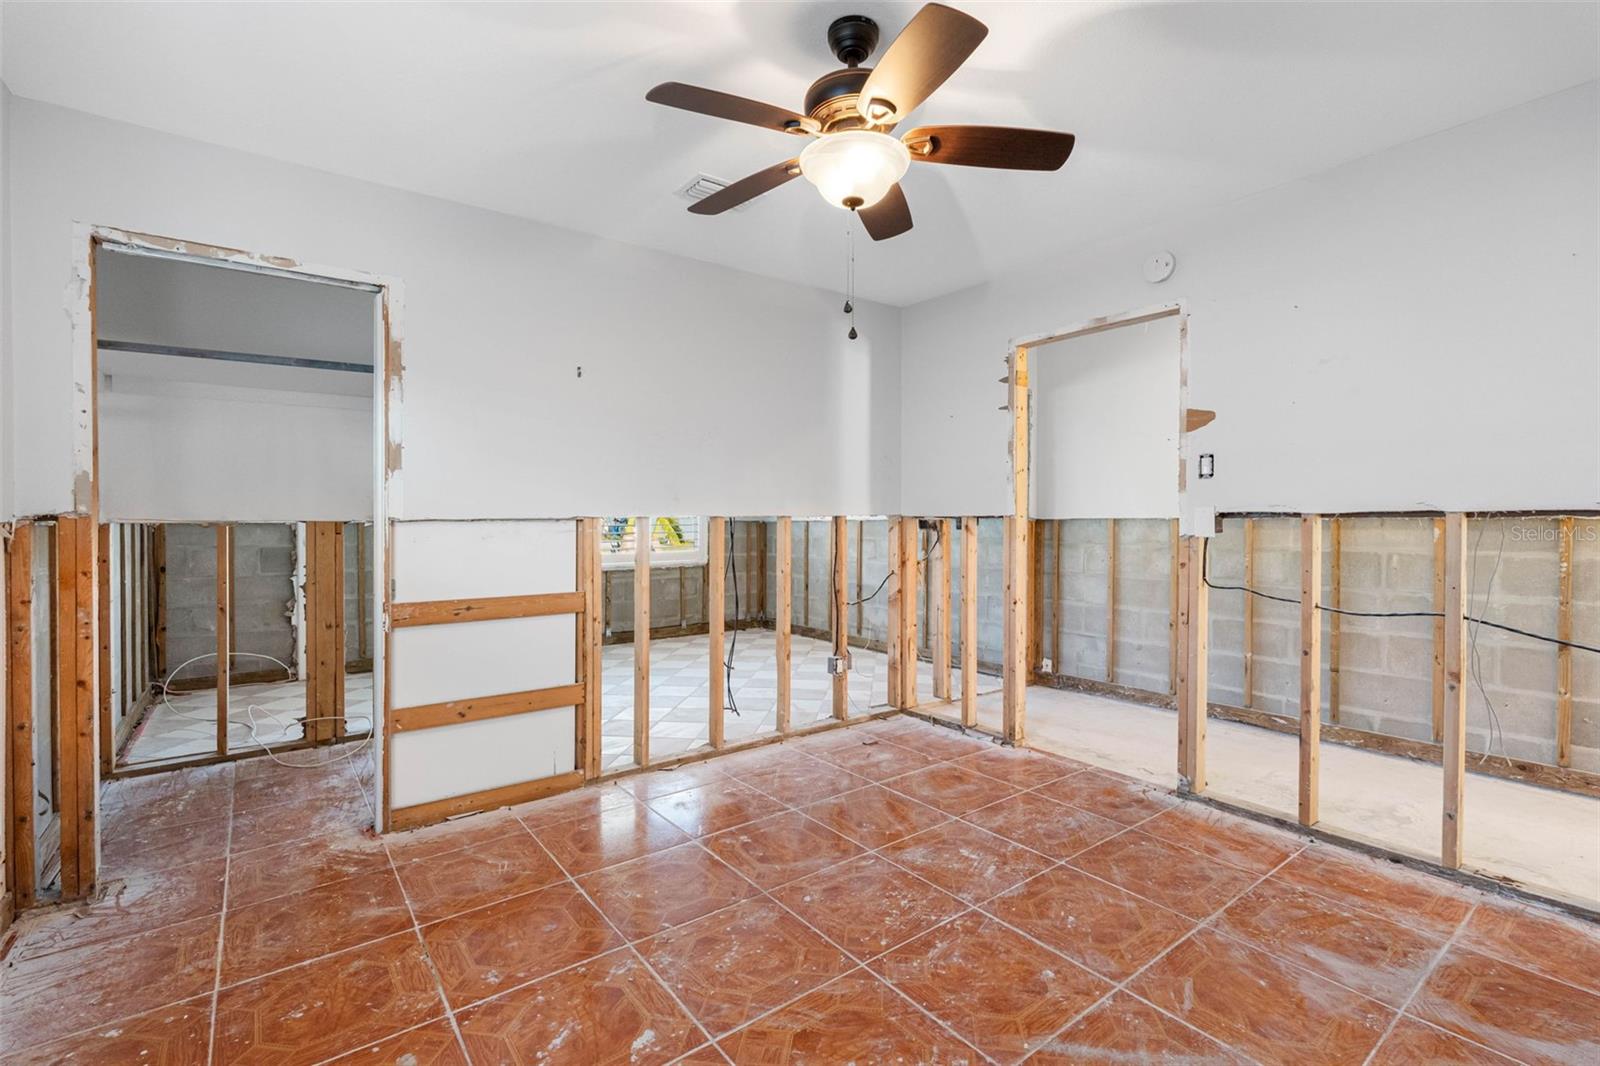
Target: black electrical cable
{"type": "Point", "coordinates": [937, 533]}
{"type": "Point", "coordinates": [1205, 562]}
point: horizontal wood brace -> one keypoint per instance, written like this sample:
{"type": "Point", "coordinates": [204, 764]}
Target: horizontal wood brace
{"type": "Point", "coordinates": [479, 708]}
{"type": "Point", "coordinates": [443, 612]}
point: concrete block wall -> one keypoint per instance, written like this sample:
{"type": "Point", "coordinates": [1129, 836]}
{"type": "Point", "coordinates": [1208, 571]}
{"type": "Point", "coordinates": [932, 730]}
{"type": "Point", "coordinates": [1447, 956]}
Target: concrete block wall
{"type": "Point", "coordinates": [263, 595]}
{"type": "Point", "coordinates": [678, 593]}
{"type": "Point", "coordinates": [1386, 664]}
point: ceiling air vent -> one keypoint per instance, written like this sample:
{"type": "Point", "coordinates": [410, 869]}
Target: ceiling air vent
{"type": "Point", "coordinates": [702, 186]}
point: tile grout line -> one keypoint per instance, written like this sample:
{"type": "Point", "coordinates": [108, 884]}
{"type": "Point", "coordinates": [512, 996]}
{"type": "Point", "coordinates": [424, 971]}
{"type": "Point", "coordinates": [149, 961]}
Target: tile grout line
{"type": "Point", "coordinates": [1422, 981]}
{"type": "Point", "coordinates": [222, 927]}
{"type": "Point", "coordinates": [438, 982]}
{"type": "Point", "coordinates": [628, 945]}
{"type": "Point", "coordinates": [1125, 984]}
{"type": "Point", "coordinates": [859, 962]}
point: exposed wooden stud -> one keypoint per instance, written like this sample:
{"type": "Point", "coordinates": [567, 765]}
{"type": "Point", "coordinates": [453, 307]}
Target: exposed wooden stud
{"type": "Point", "coordinates": [1454, 752]}
{"type": "Point", "coordinates": [591, 628]}
{"type": "Point", "coordinates": [756, 543]}
{"type": "Point", "coordinates": [861, 562]}
{"type": "Point", "coordinates": [1111, 600]}
{"type": "Point", "coordinates": [1438, 630]}
{"type": "Point", "coordinates": [1310, 668]}
{"type": "Point", "coordinates": [1035, 599]}
{"type": "Point", "coordinates": [1058, 527]}
{"type": "Point", "coordinates": [1334, 598]}
{"type": "Point", "coordinates": [363, 641]}
{"type": "Point", "coordinates": [158, 549]}
{"type": "Point", "coordinates": [641, 640]}
{"type": "Point", "coordinates": [1172, 611]}
{"type": "Point", "coordinates": [233, 619]}
{"type": "Point", "coordinates": [75, 705]}
{"type": "Point", "coordinates": [1564, 653]}
{"type": "Point", "coordinates": [1014, 667]}
{"type": "Point", "coordinates": [1249, 612]}
{"type": "Point", "coordinates": [716, 621]}
{"type": "Point", "coordinates": [969, 621]}
{"type": "Point", "coordinates": [21, 876]}
{"type": "Point", "coordinates": [893, 643]}
{"type": "Point", "coordinates": [805, 573]}
{"type": "Point", "coordinates": [324, 596]}
{"type": "Point", "coordinates": [491, 608]}
{"type": "Point", "coordinates": [840, 617]}
{"type": "Point", "coordinates": [1017, 555]}
{"type": "Point", "coordinates": [782, 621]}
{"type": "Point", "coordinates": [224, 545]}
{"type": "Point", "coordinates": [1193, 664]}
{"type": "Point", "coordinates": [103, 574]}
{"type": "Point", "coordinates": [940, 608]}
{"type": "Point", "coordinates": [911, 577]}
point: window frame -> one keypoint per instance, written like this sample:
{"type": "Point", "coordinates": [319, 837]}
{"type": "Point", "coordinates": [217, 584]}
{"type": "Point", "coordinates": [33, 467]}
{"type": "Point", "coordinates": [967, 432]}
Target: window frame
{"type": "Point", "coordinates": [660, 558]}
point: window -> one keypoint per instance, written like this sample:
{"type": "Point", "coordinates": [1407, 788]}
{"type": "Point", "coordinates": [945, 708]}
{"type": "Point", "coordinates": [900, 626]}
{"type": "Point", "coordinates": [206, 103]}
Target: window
{"type": "Point", "coordinates": [675, 540]}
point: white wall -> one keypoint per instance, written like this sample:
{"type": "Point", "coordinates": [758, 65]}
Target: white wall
{"type": "Point", "coordinates": [1105, 424]}
{"type": "Point", "coordinates": [1413, 330]}
{"type": "Point", "coordinates": [704, 390]}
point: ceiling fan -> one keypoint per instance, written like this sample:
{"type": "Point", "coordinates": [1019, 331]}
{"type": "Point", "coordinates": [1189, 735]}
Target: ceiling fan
{"type": "Point", "coordinates": [854, 161]}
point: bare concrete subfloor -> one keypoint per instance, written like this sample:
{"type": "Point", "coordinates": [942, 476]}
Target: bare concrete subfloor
{"type": "Point", "coordinates": [1546, 841]}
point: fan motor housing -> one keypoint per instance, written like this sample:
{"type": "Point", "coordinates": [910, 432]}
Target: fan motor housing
{"type": "Point", "coordinates": [832, 98]}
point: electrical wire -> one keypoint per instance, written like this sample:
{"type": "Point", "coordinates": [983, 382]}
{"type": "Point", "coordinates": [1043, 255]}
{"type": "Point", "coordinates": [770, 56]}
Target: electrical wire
{"type": "Point", "coordinates": [938, 532]}
{"type": "Point", "coordinates": [253, 712]}
{"type": "Point", "coordinates": [1205, 562]}
{"type": "Point", "coordinates": [1495, 728]}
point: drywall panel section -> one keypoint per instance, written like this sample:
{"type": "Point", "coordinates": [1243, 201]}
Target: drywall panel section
{"type": "Point", "coordinates": [462, 660]}
{"type": "Point", "coordinates": [433, 664]}
{"type": "Point", "coordinates": [1105, 423]}
{"type": "Point", "coordinates": [547, 373]}
{"type": "Point", "coordinates": [186, 452]}
{"type": "Point", "coordinates": [458, 759]}
{"type": "Point", "coordinates": [467, 560]}
{"type": "Point", "coordinates": [1412, 330]}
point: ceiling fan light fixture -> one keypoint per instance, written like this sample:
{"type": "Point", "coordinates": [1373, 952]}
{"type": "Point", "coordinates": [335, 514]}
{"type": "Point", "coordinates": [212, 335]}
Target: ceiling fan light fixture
{"type": "Point", "coordinates": [855, 168]}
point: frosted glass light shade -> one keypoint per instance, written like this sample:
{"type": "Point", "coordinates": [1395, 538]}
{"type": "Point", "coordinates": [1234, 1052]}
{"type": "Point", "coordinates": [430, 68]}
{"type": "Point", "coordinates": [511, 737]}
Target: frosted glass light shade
{"type": "Point", "coordinates": [854, 165]}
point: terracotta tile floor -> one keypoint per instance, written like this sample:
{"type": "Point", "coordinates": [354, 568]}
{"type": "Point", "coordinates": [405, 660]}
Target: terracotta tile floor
{"type": "Point", "coordinates": [891, 893]}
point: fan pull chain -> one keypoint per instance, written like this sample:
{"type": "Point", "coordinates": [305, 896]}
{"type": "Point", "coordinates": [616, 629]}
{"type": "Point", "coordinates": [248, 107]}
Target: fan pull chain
{"type": "Point", "coordinates": [850, 278]}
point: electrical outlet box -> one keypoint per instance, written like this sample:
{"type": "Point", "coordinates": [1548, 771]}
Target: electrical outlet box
{"type": "Point", "coordinates": [1208, 465]}
{"type": "Point", "coordinates": [838, 664]}
{"type": "Point", "coordinates": [1047, 665]}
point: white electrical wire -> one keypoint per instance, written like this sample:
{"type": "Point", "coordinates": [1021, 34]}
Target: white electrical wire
{"type": "Point", "coordinates": [252, 710]}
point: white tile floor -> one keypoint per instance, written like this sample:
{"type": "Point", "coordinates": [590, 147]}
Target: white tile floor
{"type": "Point", "coordinates": [189, 726]}
{"type": "Point", "coordinates": [680, 685]}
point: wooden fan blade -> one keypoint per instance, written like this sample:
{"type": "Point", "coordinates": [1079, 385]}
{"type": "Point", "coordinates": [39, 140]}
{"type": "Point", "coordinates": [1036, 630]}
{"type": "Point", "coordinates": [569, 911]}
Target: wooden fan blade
{"type": "Point", "coordinates": [933, 44]}
{"type": "Point", "coordinates": [725, 105]}
{"type": "Point", "coordinates": [747, 188]}
{"type": "Point", "coordinates": [990, 146]}
{"type": "Point", "coordinates": [889, 217]}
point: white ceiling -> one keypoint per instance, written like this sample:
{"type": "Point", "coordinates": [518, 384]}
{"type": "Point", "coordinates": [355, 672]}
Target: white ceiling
{"type": "Point", "coordinates": [538, 110]}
